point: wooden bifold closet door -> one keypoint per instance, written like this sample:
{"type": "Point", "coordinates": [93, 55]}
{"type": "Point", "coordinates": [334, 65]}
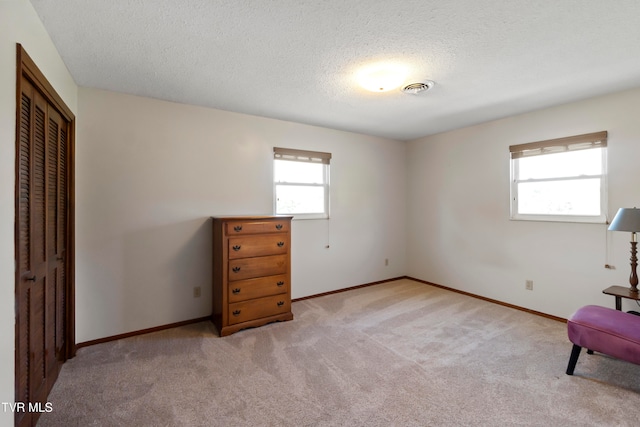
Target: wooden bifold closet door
{"type": "Point", "coordinates": [42, 240]}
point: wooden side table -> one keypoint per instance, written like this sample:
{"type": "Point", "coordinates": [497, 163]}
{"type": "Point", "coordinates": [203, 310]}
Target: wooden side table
{"type": "Point", "coordinates": [621, 292]}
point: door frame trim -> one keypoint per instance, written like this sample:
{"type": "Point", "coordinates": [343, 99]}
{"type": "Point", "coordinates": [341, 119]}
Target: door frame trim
{"type": "Point", "coordinates": [26, 67]}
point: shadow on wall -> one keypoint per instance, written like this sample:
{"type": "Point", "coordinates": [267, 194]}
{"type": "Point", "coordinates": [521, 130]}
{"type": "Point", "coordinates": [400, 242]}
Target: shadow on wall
{"type": "Point", "coordinates": [162, 266]}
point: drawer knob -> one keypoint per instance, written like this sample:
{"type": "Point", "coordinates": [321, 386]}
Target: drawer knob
{"type": "Point", "coordinates": [280, 303]}
{"type": "Point", "coordinates": [237, 228]}
{"type": "Point", "coordinates": [280, 284]}
{"type": "Point", "coordinates": [278, 226]}
{"type": "Point", "coordinates": [236, 313]}
{"type": "Point", "coordinates": [236, 269]}
{"type": "Point", "coordinates": [236, 247]}
{"type": "Point", "coordinates": [236, 291]}
{"type": "Point", "coordinates": [280, 244]}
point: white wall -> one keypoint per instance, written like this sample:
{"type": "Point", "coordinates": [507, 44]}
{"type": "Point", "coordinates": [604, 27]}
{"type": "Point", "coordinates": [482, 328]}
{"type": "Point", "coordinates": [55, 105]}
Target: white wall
{"type": "Point", "coordinates": [19, 23]}
{"type": "Point", "coordinates": [458, 230]}
{"type": "Point", "coordinates": [150, 174]}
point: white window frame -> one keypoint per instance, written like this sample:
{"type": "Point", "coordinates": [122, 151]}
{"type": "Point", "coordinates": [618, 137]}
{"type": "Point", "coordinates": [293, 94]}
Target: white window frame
{"type": "Point", "coordinates": [304, 156]}
{"type": "Point", "coordinates": [555, 146]}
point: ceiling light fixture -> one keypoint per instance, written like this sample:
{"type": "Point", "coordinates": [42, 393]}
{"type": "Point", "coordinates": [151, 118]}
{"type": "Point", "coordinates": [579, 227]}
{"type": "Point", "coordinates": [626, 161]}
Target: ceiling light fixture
{"type": "Point", "coordinates": [416, 88]}
{"type": "Point", "coordinates": [382, 77]}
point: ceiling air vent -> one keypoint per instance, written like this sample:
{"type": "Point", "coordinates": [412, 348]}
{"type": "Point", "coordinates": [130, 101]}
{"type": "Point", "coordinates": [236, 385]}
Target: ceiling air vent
{"type": "Point", "coordinates": [416, 88]}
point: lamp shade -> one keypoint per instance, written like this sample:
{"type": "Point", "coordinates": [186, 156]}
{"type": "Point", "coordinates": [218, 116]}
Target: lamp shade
{"type": "Point", "coordinates": [627, 219]}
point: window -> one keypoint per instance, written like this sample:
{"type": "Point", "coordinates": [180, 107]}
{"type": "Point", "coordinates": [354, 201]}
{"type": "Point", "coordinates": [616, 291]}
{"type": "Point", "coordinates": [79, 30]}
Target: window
{"type": "Point", "coordinates": [561, 179]}
{"type": "Point", "coordinates": [301, 183]}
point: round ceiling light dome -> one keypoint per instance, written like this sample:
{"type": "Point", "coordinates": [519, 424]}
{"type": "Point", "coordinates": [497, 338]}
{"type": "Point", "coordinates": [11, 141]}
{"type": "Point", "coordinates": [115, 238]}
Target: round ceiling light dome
{"type": "Point", "coordinates": [382, 77]}
{"type": "Point", "coordinates": [416, 88]}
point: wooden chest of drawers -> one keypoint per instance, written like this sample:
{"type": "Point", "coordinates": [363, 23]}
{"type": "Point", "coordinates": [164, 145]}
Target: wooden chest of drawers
{"type": "Point", "coordinates": [251, 271]}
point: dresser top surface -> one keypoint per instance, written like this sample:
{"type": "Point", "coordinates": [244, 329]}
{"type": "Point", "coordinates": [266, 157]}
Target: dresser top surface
{"type": "Point", "coordinates": [250, 217]}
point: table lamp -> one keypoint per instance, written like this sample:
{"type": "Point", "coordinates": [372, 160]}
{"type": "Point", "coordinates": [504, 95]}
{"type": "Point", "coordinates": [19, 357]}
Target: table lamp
{"type": "Point", "coordinates": [628, 219]}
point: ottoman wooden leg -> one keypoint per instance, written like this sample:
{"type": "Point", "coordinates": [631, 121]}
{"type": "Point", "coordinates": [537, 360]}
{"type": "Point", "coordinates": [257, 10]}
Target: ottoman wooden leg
{"type": "Point", "coordinates": [575, 353]}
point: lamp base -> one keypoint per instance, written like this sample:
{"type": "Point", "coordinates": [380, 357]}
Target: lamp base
{"type": "Point", "coordinates": [633, 278]}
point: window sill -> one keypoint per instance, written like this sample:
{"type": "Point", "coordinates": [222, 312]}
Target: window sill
{"type": "Point", "coordinates": [600, 219]}
{"type": "Point", "coordinates": [309, 217]}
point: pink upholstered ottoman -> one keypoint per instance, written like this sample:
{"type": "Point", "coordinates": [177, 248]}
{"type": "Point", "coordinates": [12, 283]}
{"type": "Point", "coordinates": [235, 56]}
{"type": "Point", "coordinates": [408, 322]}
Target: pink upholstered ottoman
{"type": "Point", "coordinates": [605, 330]}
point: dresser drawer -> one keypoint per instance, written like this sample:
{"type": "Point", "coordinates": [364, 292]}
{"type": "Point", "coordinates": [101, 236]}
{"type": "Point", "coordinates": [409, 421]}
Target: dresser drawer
{"type": "Point", "coordinates": [233, 228]}
{"type": "Point", "coordinates": [258, 308]}
{"type": "Point", "coordinates": [242, 290]}
{"type": "Point", "coordinates": [252, 246]}
{"type": "Point", "coordinates": [246, 268]}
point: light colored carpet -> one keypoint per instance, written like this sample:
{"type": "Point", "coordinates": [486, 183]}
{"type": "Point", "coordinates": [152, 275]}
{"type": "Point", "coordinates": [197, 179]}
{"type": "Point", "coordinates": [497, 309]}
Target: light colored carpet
{"type": "Point", "coordinates": [396, 354]}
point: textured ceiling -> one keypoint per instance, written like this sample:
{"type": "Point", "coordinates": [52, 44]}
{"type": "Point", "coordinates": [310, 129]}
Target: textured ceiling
{"type": "Point", "coordinates": [296, 59]}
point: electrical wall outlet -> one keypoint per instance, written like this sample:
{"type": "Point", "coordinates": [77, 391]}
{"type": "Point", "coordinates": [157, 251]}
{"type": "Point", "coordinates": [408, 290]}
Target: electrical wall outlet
{"type": "Point", "coordinates": [528, 285]}
{"type": "Point", "coordinates": [197, 291]}
{"type": "Point", "coordinates": [386, 261]}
